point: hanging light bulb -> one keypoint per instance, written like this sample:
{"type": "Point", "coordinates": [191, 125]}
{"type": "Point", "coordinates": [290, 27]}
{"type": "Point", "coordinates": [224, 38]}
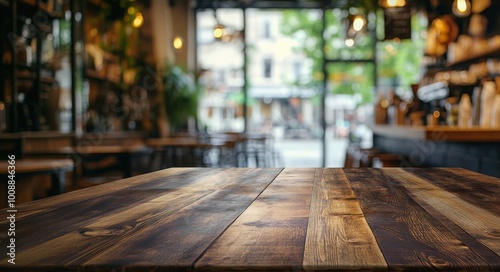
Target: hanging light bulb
{"type": "Point", "coordinates": [392, 3]}
{"type": "Point", "coordinates": [219, 31]}
{"type": "Point", "coordinates": [138, 21]}
{"type": "Point", "coordinates": [358, 23]}
{"type": "Point", "coordinates": [461, 8]}
{"type": "Point", "coordinates": [178, 42]}
{"type": "Point", "coordinates": [349, 42]}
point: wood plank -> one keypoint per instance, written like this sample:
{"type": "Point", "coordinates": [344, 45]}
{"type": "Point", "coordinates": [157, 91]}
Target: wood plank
{"type": "Point", "coordinates": [271, 233]}
{"type": "Point", "coordinates": [177, 240]}
{"type": "Point", "coordinates": [480, 190]}
{"type": "Point", "coordinates": [120, 210]}
{"type": "Point", "coordinates": [408, 236]}
{"type": "Point", "coordinates": [81, 195]}
{"type": "Point", "coordinates": [477, 222]}
{"type": "Point", "coordinates": [332, 242]}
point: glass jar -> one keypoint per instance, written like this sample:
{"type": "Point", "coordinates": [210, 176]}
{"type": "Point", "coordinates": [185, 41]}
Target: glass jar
{"type": "Point", "coordinates": [451, 111]}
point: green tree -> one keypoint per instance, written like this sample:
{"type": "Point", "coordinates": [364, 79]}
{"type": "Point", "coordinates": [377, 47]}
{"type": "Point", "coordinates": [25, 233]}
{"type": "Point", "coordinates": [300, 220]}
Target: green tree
{"type": "Point", "coordinates": [400, 61]}
{"type": "Point", "coordinates": [343, 78]}
{"type": "Point", "coordinates": [397, 61]}
{"type": "Point", "coordinates": [306, 26]}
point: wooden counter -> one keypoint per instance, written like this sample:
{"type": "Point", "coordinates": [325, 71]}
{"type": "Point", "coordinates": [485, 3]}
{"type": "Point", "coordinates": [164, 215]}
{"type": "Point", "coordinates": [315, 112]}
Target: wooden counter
{"type": "Point", "coordinates": [476, 149]}
{"type": "Point", "coordinates": [265, 219]}
{"type": "Point", "coordinates": [439, 133]}
{"type": "Point", "coordinates": [29, 172]}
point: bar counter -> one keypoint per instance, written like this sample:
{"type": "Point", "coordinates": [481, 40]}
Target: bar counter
{"type": "Point", "coordinates": [439, 133]}
{"type": "Point", "coordinates": [265, 219]}
{"type": "Point", "coordinates": [476, 149]}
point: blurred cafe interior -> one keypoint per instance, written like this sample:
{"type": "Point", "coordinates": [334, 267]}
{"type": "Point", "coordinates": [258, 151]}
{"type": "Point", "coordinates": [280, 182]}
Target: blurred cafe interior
{"type": "Point", "coordinates": [102, 90]}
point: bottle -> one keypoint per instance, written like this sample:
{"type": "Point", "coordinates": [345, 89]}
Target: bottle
{"type": "Point", "coordinates": [451, 111]}
{"type": "Point", "coordinates": [381, 109]}
{"type": "Point", "coordinates": [476, 108]}
{"type": "Point", "coordinates": [495, 112]}
{"type": "Point", "coordinates": [465, 111]}
{"type": "Point", "coordinates": [487, 97]}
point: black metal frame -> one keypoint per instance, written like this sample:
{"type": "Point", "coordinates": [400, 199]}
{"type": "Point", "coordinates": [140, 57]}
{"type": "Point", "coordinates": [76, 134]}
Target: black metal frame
{"type": "Point", "coordinates": [296, 4]}
{"type": "Point", "coordinates": [13, 112]}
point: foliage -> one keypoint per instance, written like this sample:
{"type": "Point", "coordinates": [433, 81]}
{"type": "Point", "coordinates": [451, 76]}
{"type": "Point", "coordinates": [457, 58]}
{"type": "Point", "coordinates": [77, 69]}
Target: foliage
{"type": "Point", "coordinates": [181, 94]}
{"type": "Point", "coordinates": [306, 26]}
{"type": "Point", "coordinates": [115, 10]}
{"type": "Point", "coordinates": [401, 61]}
{"type": "Point", "coordinates": [303, 25]}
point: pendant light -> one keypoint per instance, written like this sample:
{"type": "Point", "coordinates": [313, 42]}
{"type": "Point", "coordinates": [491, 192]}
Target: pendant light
{"type": "Point", "coordinates": [461, 8]}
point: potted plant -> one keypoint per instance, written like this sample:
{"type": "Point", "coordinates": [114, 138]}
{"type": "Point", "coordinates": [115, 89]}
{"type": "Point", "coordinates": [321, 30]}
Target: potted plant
{"type": "Point", "coordinates": [181, 95]}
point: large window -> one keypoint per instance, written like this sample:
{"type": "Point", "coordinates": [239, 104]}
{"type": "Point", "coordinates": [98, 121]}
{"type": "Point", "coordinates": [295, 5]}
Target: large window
{"type": "Point", "coordinates": [311, 87]}
{"type": "Point", "coordinates": [268, 66]}
{"type": "Point", "coordinates": [220, 62]}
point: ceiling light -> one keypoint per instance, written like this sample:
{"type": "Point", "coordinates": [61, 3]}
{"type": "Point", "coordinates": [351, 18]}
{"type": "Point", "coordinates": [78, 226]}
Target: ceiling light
{"type": "Point", "coordinates": [461, 8]}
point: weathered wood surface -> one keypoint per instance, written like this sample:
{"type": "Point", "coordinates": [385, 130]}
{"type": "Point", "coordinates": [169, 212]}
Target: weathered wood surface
{"type": "Point", "coordinates": [338, 235]}
{"type": "Point", "coordinates": [265, 219]}
{"type": "Point", "coordinates": [271, 233]}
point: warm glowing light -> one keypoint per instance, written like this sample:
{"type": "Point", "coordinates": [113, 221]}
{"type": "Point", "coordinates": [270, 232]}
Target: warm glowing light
{"type": "Point", "coordinates": [349, 42]}
{"type": "Point", "coordinates": [461, 8]}
{"type": "Point", "coordinates": [131, 10]}
{"type": "Point", "coordinates": [384, 103]}
{"type": "Point", "coordinates": [178, 42]}
{"type": "Point", "coordinates": [389, 48]}
{"type": "Point", "coordinates": [93, 32]}
{"type": "Point", "coordinates": [436, 114]}
{"type": "Point", "coordinates": [439, 23]}
{"type": "Point", "coordinates": [358, 23]}
{"type": "Point", "coordinates": [392, 3]}
{"type": "Point", "coordinates": [138, 21]}
{"type": "Point", "coordinates": [219, 31]}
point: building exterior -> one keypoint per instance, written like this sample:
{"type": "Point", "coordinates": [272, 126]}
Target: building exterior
{"type": "Point", "coordinates": [274, 103]}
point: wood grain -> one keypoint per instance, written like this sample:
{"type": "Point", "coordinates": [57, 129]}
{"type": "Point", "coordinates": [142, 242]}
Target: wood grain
{"type": "Point", "coordinates": [83, 195]}
{"type": "Point", "coordinates": [408, 236]}
{"type": "Point", "coordinates": [132, 212]}
{"type": "Point", "coordinates": [332, 242]}
{"type": "Point", "coordinates": [177, 239]}
{"type": "Point", "coordinates": [265, 219]}
{"type": "Point", "coordinates": [43, 241]}
{"type": "Point", "coordinates": [271, 233]}
{"type": "Point", "coordinates": [478, 222]}
{"type": "Point", "coordinates": [480, 190]}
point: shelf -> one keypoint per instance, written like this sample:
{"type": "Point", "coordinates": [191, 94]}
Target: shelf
{"type": "Point", "coordinates": [51, 13]}
{"type": "Point", "coordinates": [475, 58]}
{"type": "Point", "coordinates": [33, 67]}
{"type": "Point", "coordinates": [46, 80]}
{"type": "Point", "coordinates": [26, 7]}
{"type": "Point", "coordinates": [93, 74]}
{"type": "Point", "coordinates": [439, 133]}
{"type": "Point", "coordinates": [95, 3]}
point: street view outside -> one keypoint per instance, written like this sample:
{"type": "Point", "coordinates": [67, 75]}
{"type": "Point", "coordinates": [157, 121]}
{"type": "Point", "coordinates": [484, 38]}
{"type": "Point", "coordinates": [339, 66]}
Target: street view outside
{"type": "Point", "coordinates": [285, 78]}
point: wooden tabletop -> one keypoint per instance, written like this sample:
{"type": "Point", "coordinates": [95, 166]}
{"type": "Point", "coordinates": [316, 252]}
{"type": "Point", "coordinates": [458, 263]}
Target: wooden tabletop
{"type": "Point", "coordinates": [266, 219]}
{"type": "Point", "coordinates": [36, 165]}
